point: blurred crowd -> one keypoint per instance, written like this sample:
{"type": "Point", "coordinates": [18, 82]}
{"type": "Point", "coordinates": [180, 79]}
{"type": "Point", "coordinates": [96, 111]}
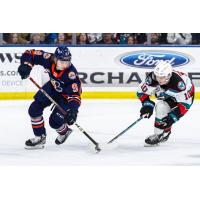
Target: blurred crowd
{"type": "Point", "coordinates": [100, 38]}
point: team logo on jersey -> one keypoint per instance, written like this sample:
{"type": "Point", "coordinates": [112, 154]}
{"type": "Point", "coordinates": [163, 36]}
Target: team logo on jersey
{"type": "Point", "coordinates": [150, 58]}
{"type": "Point", "coordinates": [46, 55]}
{"type": "Point", "coordinates": [181, 85]}
{"type": "Point", "coordinates": [72, 75]}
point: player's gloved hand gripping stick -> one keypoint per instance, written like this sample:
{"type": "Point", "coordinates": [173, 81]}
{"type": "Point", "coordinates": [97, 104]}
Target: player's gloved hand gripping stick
{"type": "Point", "coordinates": [97, 147]}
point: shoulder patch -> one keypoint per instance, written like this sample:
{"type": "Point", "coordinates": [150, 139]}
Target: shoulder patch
{"type": "Point", "coordinates": [181, 85]}
{"type": "Point", "coordinates": [72, 75]}
{"type": "Point", "coordinates": [46, 55]}
{"type": "Point", "coordinates": [148, 80]}
{"type": "Point", "coordinates": [74, 87]}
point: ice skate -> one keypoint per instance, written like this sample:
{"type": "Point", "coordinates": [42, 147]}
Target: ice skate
{"type": "Point", "coordinates": [155, 139]}
{"type": "Point", "coordinates": [37, 142]}
{"type": "Point", "coordinates": [61, 138]}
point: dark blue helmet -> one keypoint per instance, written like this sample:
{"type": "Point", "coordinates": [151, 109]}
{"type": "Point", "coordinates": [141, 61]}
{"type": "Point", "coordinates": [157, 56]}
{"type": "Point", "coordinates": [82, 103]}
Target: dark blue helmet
{"type": "Point", "coordinates": [63, 53]}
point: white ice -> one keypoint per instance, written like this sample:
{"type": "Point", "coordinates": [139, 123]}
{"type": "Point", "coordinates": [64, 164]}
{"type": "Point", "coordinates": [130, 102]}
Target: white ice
{"type": "Point", "coordinates": [102, 119]}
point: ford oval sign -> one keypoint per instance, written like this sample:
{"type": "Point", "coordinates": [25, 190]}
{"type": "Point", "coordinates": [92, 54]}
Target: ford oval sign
{"type": "Point", "coordinates": [150, 58]}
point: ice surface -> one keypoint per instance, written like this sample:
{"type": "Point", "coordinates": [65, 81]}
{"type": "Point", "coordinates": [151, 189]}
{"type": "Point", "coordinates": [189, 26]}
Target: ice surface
{"type": "Point", "coordinates": [102, 119]}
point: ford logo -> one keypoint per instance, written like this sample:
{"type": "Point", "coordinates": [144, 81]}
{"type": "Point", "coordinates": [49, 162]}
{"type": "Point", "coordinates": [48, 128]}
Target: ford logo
{"type": "Point", "coordinates": [150, 58]}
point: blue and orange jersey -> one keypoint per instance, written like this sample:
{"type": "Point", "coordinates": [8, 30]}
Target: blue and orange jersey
{"type": "Point", "coordinates": [65, 82]}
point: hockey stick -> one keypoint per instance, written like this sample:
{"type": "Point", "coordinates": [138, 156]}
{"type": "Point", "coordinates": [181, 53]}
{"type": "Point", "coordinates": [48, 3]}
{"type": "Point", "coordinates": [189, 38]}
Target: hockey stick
{"type": "Point", "coordinates": [97, 148]}
{"type": "Point", "coordinates": [125, 130]}
{"type": "Point", "coordinates": [110, 145]}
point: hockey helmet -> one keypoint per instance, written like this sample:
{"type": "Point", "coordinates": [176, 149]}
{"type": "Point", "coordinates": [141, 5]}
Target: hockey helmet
{"type": "Point", "coordinates": [163, 72]}
{"type": "Point", "coordinates": [62, 53]}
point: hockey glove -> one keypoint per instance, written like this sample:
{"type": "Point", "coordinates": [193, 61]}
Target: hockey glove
{"type": "Point", "coordinates": [168, 121]}
{"type": "Point", "coordinates": [71, 116]}
{"type": "Point", "coordinates": [24, 71]}
{"type": "Point", "coordinates": [147, 109]}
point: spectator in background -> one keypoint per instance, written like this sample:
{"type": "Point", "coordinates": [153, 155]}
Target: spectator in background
{"type": "Point", "coordinates": [24, 38]}
{"type": "Point", "coordinates": [42, 37]}
{"type": "Point", "coordinates": [155, 38]}
{"type": "Point", "coordinates": [1, 39]}
{"type": "Point", "coordinates": [179, 38]}
{"type": "Point", "coordinates": [132, 39]}
{"type": "Point", "coordinates": [13, 38]}
{"type": "Point", "coordinates": [195, 38]}
{"type": "Point", "coordinates": [94, 38]}
{"type": "Point", "coordinates": [141, 37]}
{"type": "Point", "coordinates": [51, 38]}
{"type": "Point", "coordinates": [107, 39]}
{"type": "Point", "coordinates": [16, 38]}
{"type": "Point", "coordinates": [6, 37]}
{"type": "Point", "coordinates": [36, 38]}
{"type": "Point", "coordinates": [61, 38]}
{"type": "Point", "coordinates": [82, 39]}
{"type": "Point", "coordinates": [163, 38]}
{"type": "Point", "coordinates": [69, 38]}
{"type": "Point", "coordinates": [122, 38]}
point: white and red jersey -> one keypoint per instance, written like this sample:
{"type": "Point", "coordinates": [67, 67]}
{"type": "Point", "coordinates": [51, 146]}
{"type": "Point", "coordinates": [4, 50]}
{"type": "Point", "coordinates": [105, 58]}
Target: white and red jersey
{"type": "Point", "coordinates": [178, 93]}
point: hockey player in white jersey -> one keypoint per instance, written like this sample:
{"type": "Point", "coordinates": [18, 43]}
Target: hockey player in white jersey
{"type": "Point", "coordinates": [175, 94]}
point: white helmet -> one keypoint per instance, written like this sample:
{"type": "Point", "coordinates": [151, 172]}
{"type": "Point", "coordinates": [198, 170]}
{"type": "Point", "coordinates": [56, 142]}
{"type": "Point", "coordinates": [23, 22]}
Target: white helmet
{"type": "Point", "coordinates": [163, 72]}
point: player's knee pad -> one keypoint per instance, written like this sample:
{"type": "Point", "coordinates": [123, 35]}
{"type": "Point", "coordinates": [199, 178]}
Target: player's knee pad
{"type": "Point", "coordinates": [162, 109]}
{"type": "Point", "coordinates": [40, 97]}
{"type": "Point", "coordinates": [56, 120]}
{"type": "Point", "coordinates": [35, 109]}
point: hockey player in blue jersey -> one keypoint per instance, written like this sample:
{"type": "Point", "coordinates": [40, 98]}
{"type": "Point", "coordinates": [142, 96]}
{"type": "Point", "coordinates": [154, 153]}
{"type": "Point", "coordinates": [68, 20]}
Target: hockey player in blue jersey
{"type": "Point", "coordinates": [64, 87]}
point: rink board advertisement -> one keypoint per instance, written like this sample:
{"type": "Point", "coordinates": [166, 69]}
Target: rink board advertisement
{"type": "Point", "coordinates": [105, 72]}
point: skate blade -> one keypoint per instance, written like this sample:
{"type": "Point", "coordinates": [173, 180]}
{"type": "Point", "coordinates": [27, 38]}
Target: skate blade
{"type": "Point", "coordinates": [34, 147]}
{"type": "Point", "coordinates": [151, 145]}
